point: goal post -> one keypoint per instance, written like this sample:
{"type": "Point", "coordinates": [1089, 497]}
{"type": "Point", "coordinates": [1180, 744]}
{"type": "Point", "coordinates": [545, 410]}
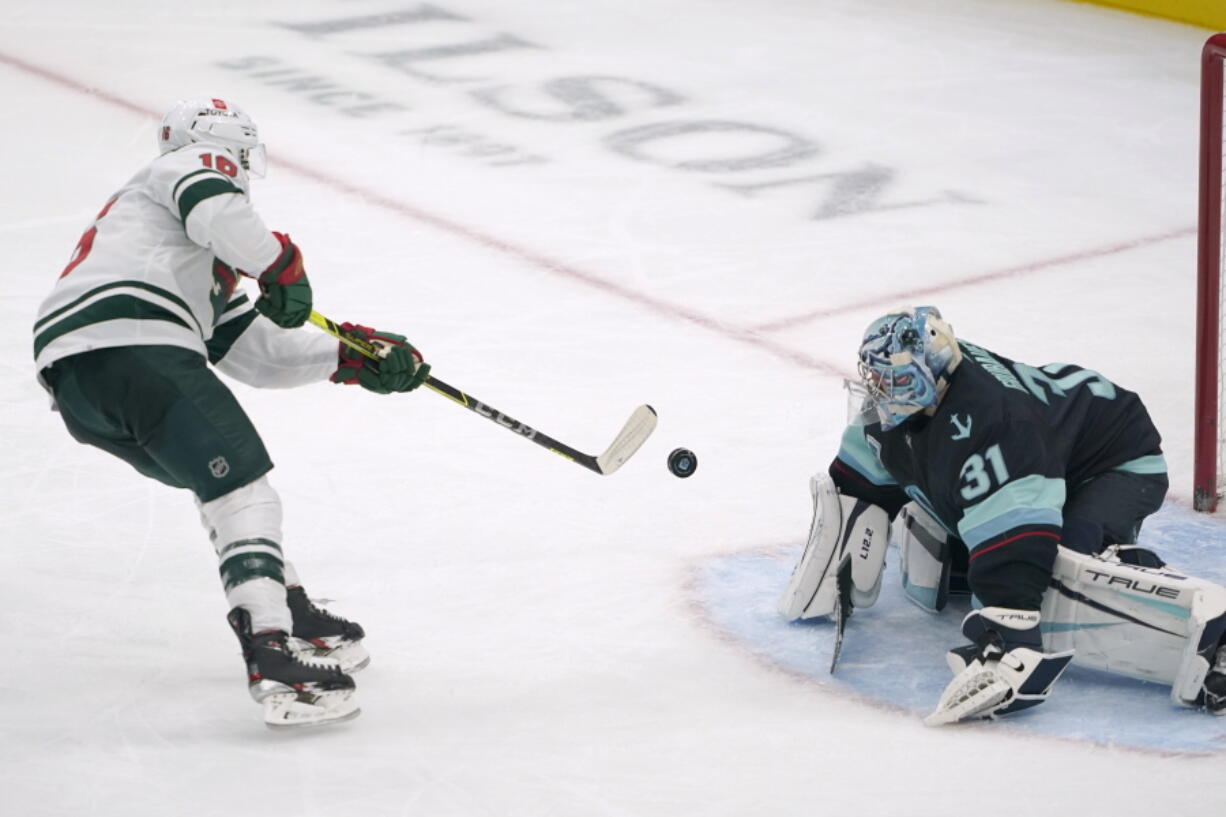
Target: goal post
{"type": "Point", "coordinates": [1207, 441]}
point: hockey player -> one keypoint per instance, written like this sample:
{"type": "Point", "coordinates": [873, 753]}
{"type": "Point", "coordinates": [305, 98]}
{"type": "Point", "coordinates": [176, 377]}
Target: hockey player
{"type": "Point", "coordinates": [1029, 485]}
{"type": "Point", "coordinates": [150, 299]}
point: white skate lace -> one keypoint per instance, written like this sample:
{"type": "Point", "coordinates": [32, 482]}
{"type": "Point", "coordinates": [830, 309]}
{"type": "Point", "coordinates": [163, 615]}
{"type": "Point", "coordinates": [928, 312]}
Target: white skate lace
{"type": "Point", "coordinates": [328, 614]}
{"type": "Point", "coordinates": [309, 658]}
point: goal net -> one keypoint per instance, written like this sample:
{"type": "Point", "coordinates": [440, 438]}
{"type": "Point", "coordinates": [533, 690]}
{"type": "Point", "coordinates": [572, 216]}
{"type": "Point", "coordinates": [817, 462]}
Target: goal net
{"type": "Point", "coordinates": [1210, 445]}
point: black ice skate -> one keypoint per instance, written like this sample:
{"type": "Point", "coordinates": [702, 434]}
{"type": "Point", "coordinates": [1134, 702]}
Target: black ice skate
{"type": "Point", "coordinates": [296, 690]}
{"type": "Point", "coordinates": [324, 635]}
{"type": "Point", "coordinates": [1215, 684]}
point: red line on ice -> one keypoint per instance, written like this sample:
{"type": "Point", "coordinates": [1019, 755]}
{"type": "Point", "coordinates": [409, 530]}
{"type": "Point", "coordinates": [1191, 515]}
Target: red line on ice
{"type": "Point", "coordinates": [520, 253]}
{"type": "Point", "coordinates": [905, 296]}
{"type": "Point", "coordinates": [752, 336]}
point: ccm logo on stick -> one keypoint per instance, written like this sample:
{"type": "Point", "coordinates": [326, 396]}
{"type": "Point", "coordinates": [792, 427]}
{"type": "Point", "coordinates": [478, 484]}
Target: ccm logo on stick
{"type": "Point", "coordinates": [503, 420]}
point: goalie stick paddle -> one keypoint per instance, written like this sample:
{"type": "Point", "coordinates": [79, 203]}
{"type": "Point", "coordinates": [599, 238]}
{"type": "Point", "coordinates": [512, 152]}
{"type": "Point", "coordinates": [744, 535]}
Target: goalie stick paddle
{"type": "Point", "coordinates": [842, 610]}
{"type": "Point", "coordinates": [633, 434]}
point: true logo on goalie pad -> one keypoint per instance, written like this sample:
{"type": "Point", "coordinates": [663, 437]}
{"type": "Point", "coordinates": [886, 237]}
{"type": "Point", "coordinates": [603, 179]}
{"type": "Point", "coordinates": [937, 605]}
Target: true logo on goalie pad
{"type": "Point", "coordinates": [1135, 585]}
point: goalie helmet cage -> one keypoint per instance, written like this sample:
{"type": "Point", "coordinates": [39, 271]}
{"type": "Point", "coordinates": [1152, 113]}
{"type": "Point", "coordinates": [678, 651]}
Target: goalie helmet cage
{"type": "Point", "coordinates": [1208, 442]}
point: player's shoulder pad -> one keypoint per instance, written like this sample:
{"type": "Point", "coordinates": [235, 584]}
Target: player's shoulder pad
{"type": "Point", "coordinates": [198, 162]}
{"type": "Point", "coordinates": [184, 178]}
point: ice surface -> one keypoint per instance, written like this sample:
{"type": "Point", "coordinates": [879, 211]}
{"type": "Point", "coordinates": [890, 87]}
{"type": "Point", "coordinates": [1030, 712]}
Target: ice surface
{"type": "Point", "coordinates": [893, 653]}
{"type": "Point", "coordinates": [573, 209]}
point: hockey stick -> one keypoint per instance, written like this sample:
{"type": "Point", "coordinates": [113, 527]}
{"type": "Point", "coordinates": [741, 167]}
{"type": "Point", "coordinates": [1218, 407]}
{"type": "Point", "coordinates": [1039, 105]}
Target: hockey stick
{"type": "Point", "coordinates": [633, 434]}
{"type": "Point", "coordinates": [842, 609]}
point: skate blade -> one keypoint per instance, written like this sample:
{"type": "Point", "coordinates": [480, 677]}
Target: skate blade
{"type": "Point", "coordinates": [350, 656]}
{"type": "Point", "coordinates": [969, 699]}
{"type": "Point", "coordinates": [288, 710]}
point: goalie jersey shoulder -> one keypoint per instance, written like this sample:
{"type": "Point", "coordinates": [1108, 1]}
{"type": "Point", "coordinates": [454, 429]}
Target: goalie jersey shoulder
{"type": "Point", "coordinates": [1006, 431]}
{"type": "Point", "coordinates": [1088, 423]}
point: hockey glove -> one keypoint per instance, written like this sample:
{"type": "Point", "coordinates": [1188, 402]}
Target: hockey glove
{"type": "Point", "coordinates": [285, 292]}
{"type": "Point", "coordinates": [398, 368]}
{"type": "Point", "coordinates": [1004, 670]}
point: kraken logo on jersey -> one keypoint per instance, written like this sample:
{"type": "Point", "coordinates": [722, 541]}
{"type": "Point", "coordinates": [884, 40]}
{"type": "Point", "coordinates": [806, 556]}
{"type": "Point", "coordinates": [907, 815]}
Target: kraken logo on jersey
{"type": "Point", "coordinates": [963, 429]}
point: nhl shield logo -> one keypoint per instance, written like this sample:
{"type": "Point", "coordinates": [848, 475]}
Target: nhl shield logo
{"type": "Point", "coordinates": [218, 467]}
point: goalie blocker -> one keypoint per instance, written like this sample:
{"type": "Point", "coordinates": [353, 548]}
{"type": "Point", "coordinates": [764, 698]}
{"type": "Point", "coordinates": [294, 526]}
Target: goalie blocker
{"type": "Point", "coordinates": [846, 533]}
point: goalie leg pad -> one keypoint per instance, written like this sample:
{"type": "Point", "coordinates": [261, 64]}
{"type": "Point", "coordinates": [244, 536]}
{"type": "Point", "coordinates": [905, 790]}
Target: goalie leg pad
{"type": "Point", "coordinates": [812, 591]}
{"type": "Point", "coordinates": [1151, 623]}
{"type": "Point", "coordinates": [1201, 679]}
{"type": "Point", "coordinates": [844, 531]}
{"type": "Point", "coordinates": [1215, 684]}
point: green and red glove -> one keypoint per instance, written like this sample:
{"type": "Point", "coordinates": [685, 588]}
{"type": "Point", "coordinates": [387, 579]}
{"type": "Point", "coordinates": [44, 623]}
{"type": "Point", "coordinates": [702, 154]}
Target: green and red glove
{"type": "Point", "coordinates": [399, 366]}
{"type": "Point", "coordinates": [285, 292]}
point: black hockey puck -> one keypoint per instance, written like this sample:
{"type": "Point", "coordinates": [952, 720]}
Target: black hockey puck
{"type": "Point", "coordinates": [682, 462]}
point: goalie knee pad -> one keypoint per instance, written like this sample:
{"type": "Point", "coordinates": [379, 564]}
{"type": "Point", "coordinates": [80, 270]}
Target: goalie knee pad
{"type": "Point", "coordinates": [926, 557]}
{"type": "Point", "coordinates": [1151, 623]}
{"type": "Point", "coordinates": [845, 532]}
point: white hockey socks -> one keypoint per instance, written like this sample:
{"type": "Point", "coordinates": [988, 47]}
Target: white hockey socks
{"type": "Point", "coordinates": [245, 528]}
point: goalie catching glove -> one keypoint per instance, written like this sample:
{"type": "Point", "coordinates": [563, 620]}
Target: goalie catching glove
{"type": "Point", "coordinates": [1004, 670]}
{"type": "Point", "coordinates": [399, 366]}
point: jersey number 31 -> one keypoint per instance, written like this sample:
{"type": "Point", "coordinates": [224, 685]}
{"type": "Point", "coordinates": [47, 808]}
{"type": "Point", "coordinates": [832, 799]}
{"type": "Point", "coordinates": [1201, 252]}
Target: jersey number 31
{"type": "Point", "coordinates": [976, 479]}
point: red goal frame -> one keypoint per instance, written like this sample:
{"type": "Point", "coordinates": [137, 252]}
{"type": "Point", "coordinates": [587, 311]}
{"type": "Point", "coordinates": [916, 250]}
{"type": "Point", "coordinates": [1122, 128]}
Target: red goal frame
{"type": "Point", "coordinates": [1206, 440]}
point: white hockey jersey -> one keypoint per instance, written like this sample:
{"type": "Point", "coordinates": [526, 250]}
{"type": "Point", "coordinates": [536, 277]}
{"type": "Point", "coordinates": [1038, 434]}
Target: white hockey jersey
{"type": "Point", "coordinates": [157, 267]}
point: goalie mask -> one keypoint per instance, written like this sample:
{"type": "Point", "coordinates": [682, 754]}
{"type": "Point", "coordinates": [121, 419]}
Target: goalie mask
{"type": "Point", "coordinates": [215, 121]}
{"type": "Point", "coordinates": [906, 359]}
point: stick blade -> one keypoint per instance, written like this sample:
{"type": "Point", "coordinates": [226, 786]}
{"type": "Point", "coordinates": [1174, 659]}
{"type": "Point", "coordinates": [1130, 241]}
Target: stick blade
{"type": "Point", "coordinates": [632, 436]}
{"type": "Point", "coordinates": [842, 610]}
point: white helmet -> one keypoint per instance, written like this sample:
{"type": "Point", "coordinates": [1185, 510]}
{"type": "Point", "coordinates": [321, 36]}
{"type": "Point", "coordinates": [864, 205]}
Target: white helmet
{"type": "Point", "coordinates": [217, 121]}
